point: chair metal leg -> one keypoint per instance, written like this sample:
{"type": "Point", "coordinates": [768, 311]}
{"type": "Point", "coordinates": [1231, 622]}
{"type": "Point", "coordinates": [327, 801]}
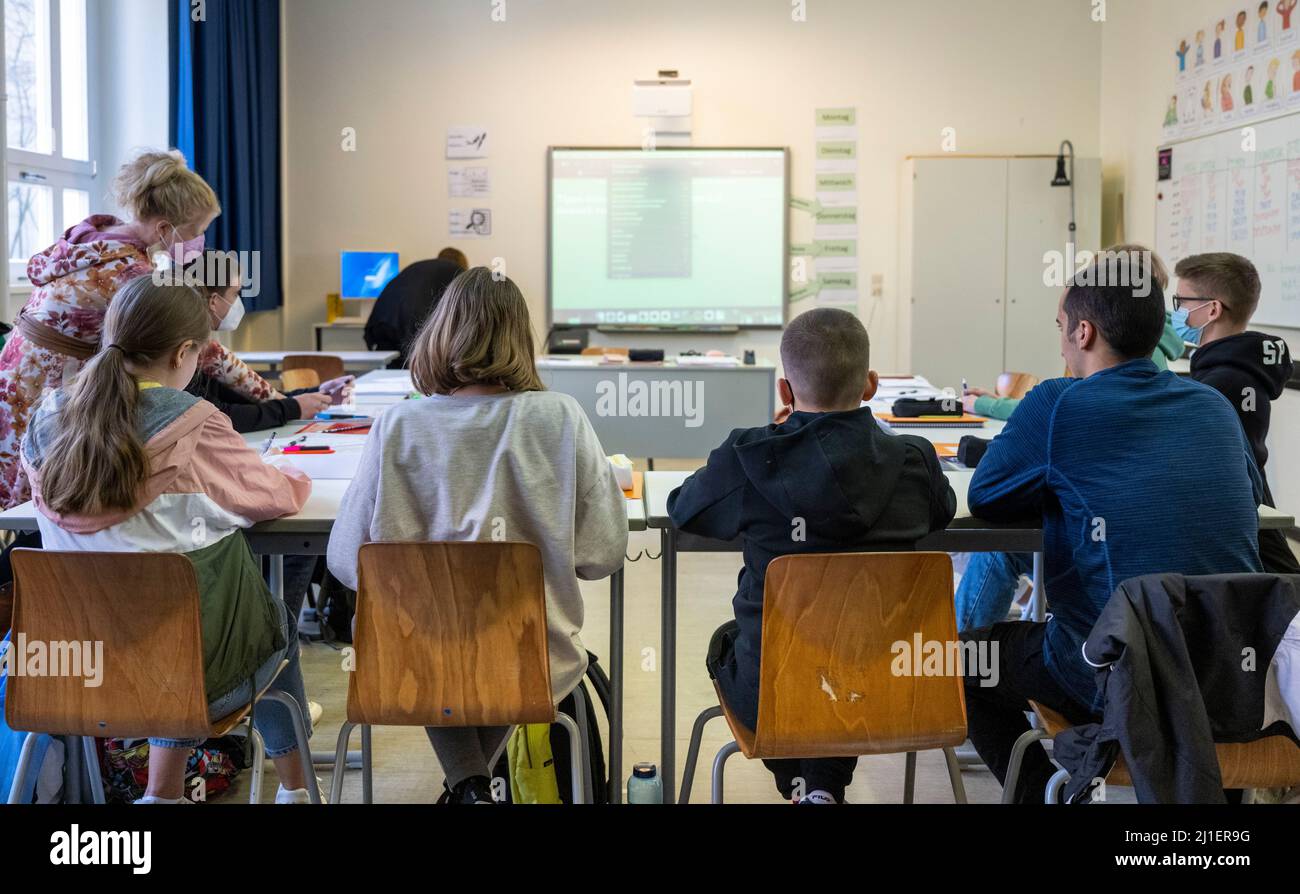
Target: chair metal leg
{"type": "Point", "coordinates": [909, 778]}
{"type": "Point", "coordinates": [92, 770]}
{"type": "Point", "coordinates": [577, 748]}
{"type": "Point", "coordinates": [720, 768]}
{"type": "Point", "coordinates": [367, 766]}
{"type": "Point", "coordinates": [300, 733]}
{"type": "Point", "coordinates": [340, 762]}
{"type": "Point", "coordinates": [23, 768]}
{"type": "Point", "coordinates": [693, 751]}
{"type": "Point", "coordinates": [954, 775]}
{"type": "Point", "coordinates": [580, 715]}
{"type": "Point", "coordinates": [258, 764]}
{"type": "Point", "coordinates": [1056, 785]}
{"type": "Point", "coordinates": [1027, 738]}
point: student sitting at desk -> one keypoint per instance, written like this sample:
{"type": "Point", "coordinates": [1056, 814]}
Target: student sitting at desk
{"type": "Point", "coordinates": [1133, 471]}
{"type": "Point", "coordinates": [989, 580]}
{"type": "Point", "coordinates": [828, 463]}
{"type": "Point", "coordinates": [125, 460]}
{"type": "Point", "coordinates": [488, 450]}
{"type": "Point", "coordinates": [1220, 292]}
{"type": "Point", "coordinates": [979, 402]}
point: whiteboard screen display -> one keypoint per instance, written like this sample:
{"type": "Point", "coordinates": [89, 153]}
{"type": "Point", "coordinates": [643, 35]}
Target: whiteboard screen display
{"type": "Point", "coordinates": [668, 237]}
{"type": "Point", "coordinates": [1239, 191]}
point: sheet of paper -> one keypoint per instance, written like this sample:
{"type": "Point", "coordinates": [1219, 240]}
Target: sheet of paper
{"type": "Point", "coordinates": [469, 223]}
{"type": "Point", "coordinates": [469, 183]}
{"type": "Point", "coordinates": [467, 141]}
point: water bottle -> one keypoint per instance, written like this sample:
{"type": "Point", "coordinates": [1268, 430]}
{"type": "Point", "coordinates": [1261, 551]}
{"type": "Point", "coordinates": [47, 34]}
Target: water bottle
{"type": "Point", "coordinates": [645, 786]}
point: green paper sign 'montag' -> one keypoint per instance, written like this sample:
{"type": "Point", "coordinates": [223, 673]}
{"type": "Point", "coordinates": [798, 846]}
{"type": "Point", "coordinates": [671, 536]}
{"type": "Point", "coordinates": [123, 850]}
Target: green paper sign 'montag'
{"type": "Point", "coordinates": [841, 117]}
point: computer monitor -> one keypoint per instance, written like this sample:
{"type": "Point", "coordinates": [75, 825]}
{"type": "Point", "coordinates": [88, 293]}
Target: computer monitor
{"type": "Point", "coordinates": [365, 273]}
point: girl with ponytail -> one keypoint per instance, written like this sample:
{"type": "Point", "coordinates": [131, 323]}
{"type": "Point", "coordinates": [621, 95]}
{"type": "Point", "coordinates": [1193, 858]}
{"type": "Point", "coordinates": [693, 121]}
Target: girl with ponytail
{"type": "Point", "coordinates": [124, 460]}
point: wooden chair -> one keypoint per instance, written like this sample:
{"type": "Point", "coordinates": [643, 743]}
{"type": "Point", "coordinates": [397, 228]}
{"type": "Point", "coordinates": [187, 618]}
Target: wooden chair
{"type": "Point", "coordinates": [827, 686]}
{"type": "Point", "coordinates": [1015, 385]}
{"type": "Point", "coordinates": [1272, 762]}
{"type": "Point", "coordinates": [294, 367]}
{"type": "Point", "coordinates": [454, 635]}
{"type": "Point", "coordinates": [144, 610]}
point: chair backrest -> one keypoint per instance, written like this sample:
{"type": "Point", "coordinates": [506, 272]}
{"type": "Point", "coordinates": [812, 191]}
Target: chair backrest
{"type": "Point", "coordinates": [298, 379]}
{"type": "Point", "coordinates": [129, 622]}
{"type": "Point", "coordinates": [846, 637]}
{"type": "Point", "coordinates": [450, 634]}
{"type": "Point", "coordinates": [602, 350]}
{"type": "Point", "coordinates": [1016, 384]}
{"type": "Point", "coordinates": [327, 366]}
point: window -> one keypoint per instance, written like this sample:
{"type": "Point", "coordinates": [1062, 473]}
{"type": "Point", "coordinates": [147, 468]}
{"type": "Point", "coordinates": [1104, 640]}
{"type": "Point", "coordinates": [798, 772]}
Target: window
{"type": "Point", "coordinates": [50, 169]}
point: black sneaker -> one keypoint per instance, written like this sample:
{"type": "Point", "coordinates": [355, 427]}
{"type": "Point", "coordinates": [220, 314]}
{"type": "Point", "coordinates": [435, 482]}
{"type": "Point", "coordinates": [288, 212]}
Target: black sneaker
{"type": "Point", "coordinates": [474, 790]}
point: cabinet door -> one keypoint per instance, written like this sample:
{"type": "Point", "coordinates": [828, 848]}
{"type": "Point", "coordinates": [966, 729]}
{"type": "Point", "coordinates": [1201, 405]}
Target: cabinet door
{"type": "Point", "coordinates": [1038, 222]}
{"type": "Point", "coordinates": [959, 229]}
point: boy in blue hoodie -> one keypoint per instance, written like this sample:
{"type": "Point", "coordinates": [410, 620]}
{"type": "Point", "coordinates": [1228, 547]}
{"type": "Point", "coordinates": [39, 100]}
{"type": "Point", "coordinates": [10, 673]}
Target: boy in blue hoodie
{"type": "Point", "coordinates": [824, 478]}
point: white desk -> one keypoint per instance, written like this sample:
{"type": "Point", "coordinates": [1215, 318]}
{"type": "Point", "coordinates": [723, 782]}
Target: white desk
{"type": "Point", "coordinates": [356, 361]}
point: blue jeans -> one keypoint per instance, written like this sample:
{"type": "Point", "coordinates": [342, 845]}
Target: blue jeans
{"type": "Point", "coordinates": [988, 587]}
{"type": "Point", "coordinates": [271, 718]}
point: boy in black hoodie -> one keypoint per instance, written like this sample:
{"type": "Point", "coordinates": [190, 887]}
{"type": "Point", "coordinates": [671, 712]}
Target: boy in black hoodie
{"type": "Point", "coordinates": [823, 478]}
{"type": "Point", "coordinates": [1220, 292]}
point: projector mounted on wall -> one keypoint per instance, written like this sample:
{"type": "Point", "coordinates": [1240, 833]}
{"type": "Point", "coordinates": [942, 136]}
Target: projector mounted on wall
{"type": "Point", "coordinates": [665, 105]}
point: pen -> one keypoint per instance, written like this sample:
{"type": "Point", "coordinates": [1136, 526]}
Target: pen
{"type": "Point", "coordinates": [964, 387]}
{"type": "Point", "coordinates": [267, 446]}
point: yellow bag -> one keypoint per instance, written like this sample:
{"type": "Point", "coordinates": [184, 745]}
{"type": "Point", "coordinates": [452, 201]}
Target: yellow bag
{"type": "Point", "coordinates": [532, 765]}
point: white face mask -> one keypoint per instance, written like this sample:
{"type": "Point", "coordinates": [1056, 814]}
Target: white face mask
{"type": "Point", "coordinates": [233, 316]}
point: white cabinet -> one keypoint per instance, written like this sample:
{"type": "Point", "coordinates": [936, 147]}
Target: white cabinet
{"type": "Point", "coordinates": [975, 233]}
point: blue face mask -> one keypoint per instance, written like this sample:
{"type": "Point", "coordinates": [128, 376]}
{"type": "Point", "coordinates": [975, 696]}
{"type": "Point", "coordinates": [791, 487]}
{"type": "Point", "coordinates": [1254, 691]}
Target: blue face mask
{"type": "Point", "coordinates": [1184, 329]}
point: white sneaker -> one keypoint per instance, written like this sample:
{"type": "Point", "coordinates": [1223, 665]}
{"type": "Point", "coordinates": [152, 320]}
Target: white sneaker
{"type": "Point", "coordinates": [153, 799]}
{"type": "Point", "coordinates": [298, 795]}
{"type": "Point", "coordinates": [314, 710]}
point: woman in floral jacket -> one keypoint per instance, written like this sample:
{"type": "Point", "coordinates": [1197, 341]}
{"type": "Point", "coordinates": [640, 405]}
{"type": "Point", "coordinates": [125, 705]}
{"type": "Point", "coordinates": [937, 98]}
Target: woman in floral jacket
{"type": "Point", "coordinates": [75, 280]}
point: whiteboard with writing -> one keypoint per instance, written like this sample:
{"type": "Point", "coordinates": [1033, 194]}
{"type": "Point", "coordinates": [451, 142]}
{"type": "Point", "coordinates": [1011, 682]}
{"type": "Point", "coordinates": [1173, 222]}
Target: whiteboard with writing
{"type": "Point", "coordinates": [1239, 191]}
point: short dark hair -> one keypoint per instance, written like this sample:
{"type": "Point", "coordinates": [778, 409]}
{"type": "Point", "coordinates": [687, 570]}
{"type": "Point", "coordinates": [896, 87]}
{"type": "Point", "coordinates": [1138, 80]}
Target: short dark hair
{"type": "Point", "coordinates": [827, 357]}
{"type": "Point", "coordinates": [455, 256]}
{"type": "Point", "coordinates": [1231, 279]}
{"type": "Point", "coordinates": [1130, 322]}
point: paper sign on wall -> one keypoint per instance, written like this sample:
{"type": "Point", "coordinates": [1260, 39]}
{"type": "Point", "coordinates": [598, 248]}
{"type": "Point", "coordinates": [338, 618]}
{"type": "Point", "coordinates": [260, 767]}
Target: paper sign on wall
{"type": "Point", "coordinates": [465, 141]}
{"type": "Point", "coordinates": [470, 183]}
{"type": "Point", "coordinates": [469, 223]}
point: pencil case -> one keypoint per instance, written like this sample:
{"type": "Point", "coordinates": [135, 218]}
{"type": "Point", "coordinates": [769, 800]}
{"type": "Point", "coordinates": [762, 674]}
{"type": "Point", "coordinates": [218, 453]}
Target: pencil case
{"type": "Point", "coordinates": [911, 407]}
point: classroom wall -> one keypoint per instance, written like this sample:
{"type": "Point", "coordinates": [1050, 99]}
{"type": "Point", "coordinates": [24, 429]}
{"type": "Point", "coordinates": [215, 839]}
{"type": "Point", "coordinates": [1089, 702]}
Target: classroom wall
{"type": "Point", "coordinates": [1010, 77]}
{"type": "Point", "coordinates": [1137, 74]}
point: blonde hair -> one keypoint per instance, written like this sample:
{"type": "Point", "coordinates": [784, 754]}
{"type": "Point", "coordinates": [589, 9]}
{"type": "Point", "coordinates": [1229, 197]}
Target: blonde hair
{"type": "Point", "coordinates": [97, 461]}
{"type": "Point", "coordinates": [480, 334]}
{"type": "Point", "coordinates": [161, 186]}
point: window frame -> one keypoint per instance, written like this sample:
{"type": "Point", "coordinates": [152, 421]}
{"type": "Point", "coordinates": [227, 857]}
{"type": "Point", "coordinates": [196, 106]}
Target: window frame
{"type": "Point", "coordinates": [53, 170]}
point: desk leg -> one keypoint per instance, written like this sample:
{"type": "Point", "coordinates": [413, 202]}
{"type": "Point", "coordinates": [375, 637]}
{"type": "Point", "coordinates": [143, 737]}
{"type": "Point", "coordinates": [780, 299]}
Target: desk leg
{"type": "Point", "coordinates": [668, 666]}
{"type": "Point", "coordinates": [276, 581]}
{"type": "Point", "coordinates": [1040, 598]}
{"type": "Point", "coordinates": [616, 688]}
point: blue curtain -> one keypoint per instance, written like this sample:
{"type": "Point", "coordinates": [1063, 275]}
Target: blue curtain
{"type": "Point", "coordinates": [225, 117]}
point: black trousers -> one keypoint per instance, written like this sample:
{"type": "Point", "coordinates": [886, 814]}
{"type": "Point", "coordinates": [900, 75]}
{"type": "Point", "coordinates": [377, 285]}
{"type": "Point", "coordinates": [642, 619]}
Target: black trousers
{"type": "Point", "coordinates": [996, 714]}
{"type": "Point", "coordinates": [828, 774]}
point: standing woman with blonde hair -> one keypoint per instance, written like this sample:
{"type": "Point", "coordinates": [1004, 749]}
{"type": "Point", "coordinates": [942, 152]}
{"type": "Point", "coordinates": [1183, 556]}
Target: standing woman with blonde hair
{"type": "Point", "coordinates": [75, 280]}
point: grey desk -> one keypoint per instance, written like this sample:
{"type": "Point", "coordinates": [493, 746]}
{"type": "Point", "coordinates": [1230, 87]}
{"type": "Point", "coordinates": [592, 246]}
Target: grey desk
{"type": "Point", "coordinates": [357, 361]}
{"type": "Point", "coordinates": [308, 534]}
{"type": "Point", "coordinates": [663, 410]}
{"type": "Point", "coordinates": [965, 534]}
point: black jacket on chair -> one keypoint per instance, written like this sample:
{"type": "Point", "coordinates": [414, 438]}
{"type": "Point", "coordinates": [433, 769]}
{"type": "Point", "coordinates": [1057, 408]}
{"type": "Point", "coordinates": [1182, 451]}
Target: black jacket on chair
{"type": "Point", "coordinates": [1183, 663]}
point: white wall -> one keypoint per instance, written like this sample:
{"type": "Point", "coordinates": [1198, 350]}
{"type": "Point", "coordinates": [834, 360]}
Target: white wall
{"type": "Point", "coordinates": [1137, 76]}
{"type": "Point", "coordinates": [134, 88]}
{"type": "Point", "coordinates": [1011, 76]}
